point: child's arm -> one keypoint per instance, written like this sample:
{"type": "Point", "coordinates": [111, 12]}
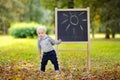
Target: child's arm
{"type": "Point", "coordinates": [39, 49]}
{"type": "Point", "coordinates": [39, 53]}
{"type": "Point", "coordinates": [55, 41]}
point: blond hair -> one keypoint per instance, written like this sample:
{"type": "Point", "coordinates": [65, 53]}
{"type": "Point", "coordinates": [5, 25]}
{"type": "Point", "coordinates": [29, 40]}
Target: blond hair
{"type": "Point", "coordinates": [41, 29]}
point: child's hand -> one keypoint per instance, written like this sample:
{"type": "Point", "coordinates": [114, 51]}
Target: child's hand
{"type": "Point", "coordinates": [59, 41]}
{"type": "Point", "coordinates": [39, 53]}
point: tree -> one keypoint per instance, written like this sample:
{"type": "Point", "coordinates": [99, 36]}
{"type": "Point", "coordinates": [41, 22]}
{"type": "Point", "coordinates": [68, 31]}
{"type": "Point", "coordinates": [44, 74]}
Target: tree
{"type": "Point", "coordinates": [33, 11]}
{"type": "Point", "coordinates": [19, 11]}
{"type": "Point", "coordinates": [52, 4]}
{"type": "Point", "coordinates": [104, 12]}
{"type": "Point", "coordinates": [110, 17]}
{"type": "Point", "coordinates": [73, 4]}
{"type": "Point", "coordinates": [9, 10]}
{"type": "Point", "coordinates": [108, 11]}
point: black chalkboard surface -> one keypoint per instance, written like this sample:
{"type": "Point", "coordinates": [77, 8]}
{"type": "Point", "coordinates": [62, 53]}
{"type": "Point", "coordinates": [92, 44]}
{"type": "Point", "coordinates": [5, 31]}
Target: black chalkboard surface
{"type": "Point", "coordinates": [72, 25]}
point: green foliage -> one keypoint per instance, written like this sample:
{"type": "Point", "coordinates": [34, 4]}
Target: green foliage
{"type": "Point", "coordinates": [23, 30]}
{"type": "Point", "coordinates": [32, 11]}
{"type": "Point", "coordinates": [108, 15]}
{"type": "Point", "coordinates": [10, 10]}
{"type": "Point", "coordinates": [20, 10]}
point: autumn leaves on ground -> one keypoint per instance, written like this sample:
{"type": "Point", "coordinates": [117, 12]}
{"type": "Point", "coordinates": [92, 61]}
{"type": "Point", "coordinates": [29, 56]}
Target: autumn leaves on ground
{"type": "Point", "coordinates": [19, 61]}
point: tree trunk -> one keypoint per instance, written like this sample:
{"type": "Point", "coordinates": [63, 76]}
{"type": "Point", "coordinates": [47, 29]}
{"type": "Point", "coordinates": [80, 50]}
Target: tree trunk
{"type": "Point", "coordinates": [5, 27]}
{"type": "Point", "coordinates": [93, 33]}
{"type": "Point", "coordinates": [113, 35]}
{"type": "Point", "coordinates": [71, 4]}
{"type": "Point", "coordinates": [30, 11]}
{"type": "Point", "coordinates": [113, 32]}
{"type": "Point", "coordinates": [107, 36]}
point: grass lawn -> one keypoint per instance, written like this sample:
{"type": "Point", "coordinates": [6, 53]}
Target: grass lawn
{"type": "Point", "coordinates": [19, 56]}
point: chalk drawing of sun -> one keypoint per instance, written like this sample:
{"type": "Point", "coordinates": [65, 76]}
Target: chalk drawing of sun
{"type": "Point", "coordinates": [74, 20]}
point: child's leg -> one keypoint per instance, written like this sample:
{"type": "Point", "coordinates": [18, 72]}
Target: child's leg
{"type": "Point", "coordinates": [44, 62]}
{"type": "Point", "coordinates": [54, 61]}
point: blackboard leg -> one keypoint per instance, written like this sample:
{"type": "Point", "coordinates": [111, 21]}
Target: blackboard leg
{"type": "Point", "coordinates": [88, 58]}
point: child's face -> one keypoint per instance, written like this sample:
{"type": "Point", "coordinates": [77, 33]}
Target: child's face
{"type": "Point", "coordinates": [41, 33]}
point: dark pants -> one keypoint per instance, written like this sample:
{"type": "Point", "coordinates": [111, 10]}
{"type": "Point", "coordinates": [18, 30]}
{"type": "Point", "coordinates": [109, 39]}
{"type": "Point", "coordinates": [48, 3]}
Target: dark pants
{"type": "Point", "coordinates": [49, 56]}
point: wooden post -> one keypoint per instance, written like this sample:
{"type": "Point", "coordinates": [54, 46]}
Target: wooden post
{"type": "Point", "coordinates": [88, 44]}
{"type": "Point", "coordinates": [56, 47]}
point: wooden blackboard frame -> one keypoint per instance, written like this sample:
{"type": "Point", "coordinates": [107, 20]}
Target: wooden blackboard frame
{"type": "Point", "coordinates": [88, 24]}
{"type": "Point", "coordinates": [88, 32]}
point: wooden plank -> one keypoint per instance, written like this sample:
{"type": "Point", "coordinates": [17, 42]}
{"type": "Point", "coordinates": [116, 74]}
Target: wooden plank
{"type": "Point", "coordinates": [77, 42]}
{"type": "Point", "coordinates": [80, 9]}
{"type": "Point", "coordinates": [88, 46]}
{"type": "Point", "coordinates": [75, 50]}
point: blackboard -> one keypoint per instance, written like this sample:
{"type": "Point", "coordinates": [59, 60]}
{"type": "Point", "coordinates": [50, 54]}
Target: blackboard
{"type": "Point", "coordinates": [72, 25]}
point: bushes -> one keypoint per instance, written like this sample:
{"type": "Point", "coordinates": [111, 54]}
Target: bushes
{"type": "Point", "coordinates": [23, 30]}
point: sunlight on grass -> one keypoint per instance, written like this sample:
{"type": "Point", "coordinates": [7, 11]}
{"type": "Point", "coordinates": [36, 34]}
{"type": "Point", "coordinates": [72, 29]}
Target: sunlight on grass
{"type": "Point", "coordinates": [26, 49]}
{"type": "Point", "coordinates": [102, 35]}
{"type": "Point", "coordinates": [23, 52]}
{"type": "Point", "coordinates": [19, 49]}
